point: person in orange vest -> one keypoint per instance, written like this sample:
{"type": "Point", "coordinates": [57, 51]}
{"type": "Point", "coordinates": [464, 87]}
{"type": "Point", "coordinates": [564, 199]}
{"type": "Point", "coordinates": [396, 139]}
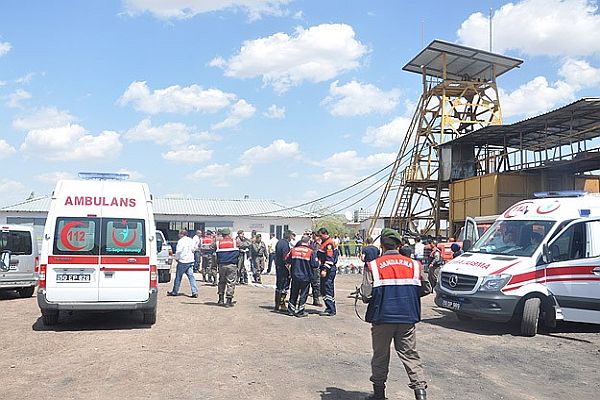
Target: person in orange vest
{"type": "Point", "coordinates": [209, 271]}
{"type": "Point", "coordinates": [301, 261]}
{"type": "Point", "coordinates": [227, 259]}
{"type": "Point", "coordinates": [392, 288]}
{"type": "Point", "coordinates": [328, 255]}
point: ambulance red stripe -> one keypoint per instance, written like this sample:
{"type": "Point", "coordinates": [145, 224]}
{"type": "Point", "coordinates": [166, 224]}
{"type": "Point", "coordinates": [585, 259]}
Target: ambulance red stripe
{"type": "Point", "coordinates": [564, 279]}
{"type": "Point", "coordinates": [505, 268]}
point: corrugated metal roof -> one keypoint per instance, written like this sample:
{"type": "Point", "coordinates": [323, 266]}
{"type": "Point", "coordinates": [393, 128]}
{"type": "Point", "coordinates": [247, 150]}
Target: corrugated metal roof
{"type": "Point", "coordinates": [182, 206]}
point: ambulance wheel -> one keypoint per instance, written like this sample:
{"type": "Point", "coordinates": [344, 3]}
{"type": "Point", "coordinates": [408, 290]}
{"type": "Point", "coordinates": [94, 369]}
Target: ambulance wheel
{"type": "Point", "coordinates": [50, 317]}
{"type": "Point", "coordinates": [531, 316]}
{"type": "Point", "coordinates": [150, 316]}
{"type": "Point", "coordinates": [26, 292]}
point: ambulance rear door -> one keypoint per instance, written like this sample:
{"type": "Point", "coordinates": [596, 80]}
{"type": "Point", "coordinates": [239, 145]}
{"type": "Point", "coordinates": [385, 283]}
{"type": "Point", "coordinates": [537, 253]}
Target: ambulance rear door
{"type": "Point", "coordinates": [573, 276]}
{"type": "Point", "coordinates": [124, 250]}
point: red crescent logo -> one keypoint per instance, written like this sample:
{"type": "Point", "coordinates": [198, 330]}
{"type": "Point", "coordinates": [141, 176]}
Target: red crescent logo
{"type": "Point", "coordinates": [123, 244]}
{"type": "Point", "coordinates": [64, 233]}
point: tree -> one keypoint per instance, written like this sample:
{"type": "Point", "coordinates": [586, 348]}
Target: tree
{"type": "Point", "coordinates": [335, 225]}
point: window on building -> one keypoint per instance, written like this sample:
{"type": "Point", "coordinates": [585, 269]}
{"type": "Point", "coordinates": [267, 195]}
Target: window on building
{"type": "Point", "coordinates": [278, 230]}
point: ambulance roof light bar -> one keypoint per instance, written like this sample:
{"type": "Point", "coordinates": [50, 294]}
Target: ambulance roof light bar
{"type": "Point", "coordinates": [103, 176]}
{"type": "Point", "coordinates": [560, 193]}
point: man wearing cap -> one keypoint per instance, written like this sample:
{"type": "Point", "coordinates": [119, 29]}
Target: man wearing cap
{"type": "Point", "coordinates": [301, 260]}
{"type": "Point", "coordinates": [228, 254]}
{"type": "Point", "coordinates": [259, 255]}
{"type": "Point", "coordinates": [243, 245]}
{"type": "Point", "coordinates": [391, 286]}
{"type": "Point", "coordinates": [328, 255]}
{"type": "Point", "coordinates": [282, 283]}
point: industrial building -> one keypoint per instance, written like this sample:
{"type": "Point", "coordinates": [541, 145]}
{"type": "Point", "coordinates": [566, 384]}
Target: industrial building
{"type": "Point", "coordinates": [173, 214]}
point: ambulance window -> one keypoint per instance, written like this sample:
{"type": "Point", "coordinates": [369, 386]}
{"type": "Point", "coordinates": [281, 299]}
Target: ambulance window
{"type": "Point", "coordinates": [18, 242]}
{"type": "Point", "coordinates": [570, 245]}
{"type": "Point", "coordinates": [76, 236]}
{"type": "Point", "coordinates": [123, 236]}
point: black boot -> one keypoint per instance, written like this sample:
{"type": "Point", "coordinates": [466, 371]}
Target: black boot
{"type": "Point", "coordinates": [420, 394]}
{"type": "Point", "coordinates": [317, 301]}
{"type": "Point", "coordinates": [378, 393]}
{"type": "Point", "coordinates": [221, 300]}
{"type": "Point", "coordinates": [282, 306]}
{"type": "Point", "coordinates": [229, 303]}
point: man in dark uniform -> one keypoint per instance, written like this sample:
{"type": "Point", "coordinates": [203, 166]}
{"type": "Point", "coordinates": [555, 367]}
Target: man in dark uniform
{"type": "Point", "coordinates": [243, 245]}
{"type": "Point", "coordinates": [315, 283]}
{"type": "Point", "coordinates": [282, 273]}
{"type": "Point", "coordinates": [301, 261]}
{"type": "Point", "coordinates": [387, 279]}
{"type": "Point", "coordinates": [328, 255]}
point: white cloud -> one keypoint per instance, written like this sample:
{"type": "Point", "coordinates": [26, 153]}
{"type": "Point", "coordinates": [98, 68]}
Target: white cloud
{"type": "Point", "coordinates": [274, 112]}
{"type": "Point", "coordinates": [540, 95]}
{"type": "Point", "coordinates": [133, 175]}
{"type": "Point", "coordinates": [4, 48]}
{"type": "Point", "coordinates": [9, 186]}
{"type": "Point", "coordinates": [27, 78]}
{"type": "Point", "coordinates": [220, 172]}
{"type": "Point", "coordinates": [348, 167]}
{"type": "Point", "coordinates": [182, 9]}
{"type": "Point", "coordinates": [316, 54]}
{"type": "Point", "coordinates": [171, 133]}
{"type": "Point", "coordinates": [277, 150]}
{"type": "Point", "coordinates": [46, 117]}
{"type": "Point", "coordinates": [190, 154]}
{"type": "Point", "coordinates": [239, 111]}
{"type": "Point", "coordinates": [175, 99]}
{"type": "Point", "coordinates": [53, 177]}
{"type": "Point", "coordinates": [355, 98]}
{"type": "Point", "coordinates": [390, 134]}
{"type": "Point", "coordinates": [6, 150]}
{"type": "Point", "coordinates": [71, 143]}
{"type": "Point", "coordinates": [15, 98]}
{"type": "Point", "coordinates": [537, 27]}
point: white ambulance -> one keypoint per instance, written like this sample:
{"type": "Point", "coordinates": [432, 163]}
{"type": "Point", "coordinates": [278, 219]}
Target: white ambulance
{"type": "Point", "coordinates": [540, 260]}
{"type": "Point", "coordinates": [98, 250]}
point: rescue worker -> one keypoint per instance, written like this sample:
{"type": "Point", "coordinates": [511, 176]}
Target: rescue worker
{"type": "Point", "coordinates": [328, 255]}
{"type": "Point", "coordinates": [301, 260]}
{"type": "Point", "coordinates": [259, 254]}
{"type": "Point", "coordinates": [209, 272]}
{"type": "Point", "coordinates": [227, 253]}
{"type": "Point", "coordinates": [435, 264]}
{"type": "Point", "coordinates": [387, 279]}
{"type": "Point", "coordinates": [315, 283]}
{"type": "Point", "coordinates": [243, 245]}
{"type": "Point", "coordinates": [282, 274]}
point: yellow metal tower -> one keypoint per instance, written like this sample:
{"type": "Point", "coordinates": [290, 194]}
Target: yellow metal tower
{"type": "Point", "coordinates": [459, 96]}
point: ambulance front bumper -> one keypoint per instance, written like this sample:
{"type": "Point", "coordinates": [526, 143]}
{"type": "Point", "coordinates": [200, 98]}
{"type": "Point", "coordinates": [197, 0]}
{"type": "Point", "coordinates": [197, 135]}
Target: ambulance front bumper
{"type": "Point", "coordinates": [98, 306]}
{"type": "Point", "coordinates": [491, 306]}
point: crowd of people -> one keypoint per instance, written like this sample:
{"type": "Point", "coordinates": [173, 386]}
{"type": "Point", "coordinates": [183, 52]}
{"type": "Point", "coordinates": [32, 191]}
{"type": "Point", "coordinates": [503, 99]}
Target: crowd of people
{"type": "Point", "coordinates": [309, 266]}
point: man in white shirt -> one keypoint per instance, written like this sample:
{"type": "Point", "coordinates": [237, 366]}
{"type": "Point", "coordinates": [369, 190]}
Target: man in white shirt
{"type": "Point", "coordinates": [271, 246]}
{"type": "Point", "coordinates": [419, 249]}
{"type": "Point", "coordinates": [184, 255]}
{"type": "Point", "coordinates": [197, 239]}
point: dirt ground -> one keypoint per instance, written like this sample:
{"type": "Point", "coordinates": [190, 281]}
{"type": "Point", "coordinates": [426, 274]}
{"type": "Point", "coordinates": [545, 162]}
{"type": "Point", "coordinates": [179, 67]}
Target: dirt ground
{"type": "Point", "coordinates": [198, 350]}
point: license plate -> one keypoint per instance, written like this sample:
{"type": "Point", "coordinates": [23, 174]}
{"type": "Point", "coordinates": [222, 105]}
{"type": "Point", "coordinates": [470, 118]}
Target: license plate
{"type": "Point", "coordinates": [455, 305]}
{"type": "Point", "coordinates": [73, 277]}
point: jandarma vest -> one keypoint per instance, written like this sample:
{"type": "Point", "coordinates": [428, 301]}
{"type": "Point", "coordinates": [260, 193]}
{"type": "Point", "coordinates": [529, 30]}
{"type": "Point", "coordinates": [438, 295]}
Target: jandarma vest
{"type": "Point", "coordinates": [227, 251]}
{"type": "Point", "coordinates": [302, 260]}
{"type": "Point", "coordinates": [205, 244]}
{"type": "Point", "coordinates": [328, 253]}
{"type": "Point", "coordinates": [396, 286]}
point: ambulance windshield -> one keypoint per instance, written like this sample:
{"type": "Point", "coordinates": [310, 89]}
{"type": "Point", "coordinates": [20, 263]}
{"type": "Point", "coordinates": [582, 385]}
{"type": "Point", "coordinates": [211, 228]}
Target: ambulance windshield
{"type": "Point", "coordinates": [513, 238]}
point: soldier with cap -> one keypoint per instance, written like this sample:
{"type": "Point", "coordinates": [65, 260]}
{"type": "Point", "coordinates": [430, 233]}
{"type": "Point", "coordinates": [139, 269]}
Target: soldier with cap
{"type": "Point", "coordinates": [259, 256]}
{"type": "Point", "coordinates": [209, 270]}
{"type": "Point", "coordinates": [243, 245]}
{"type": "Point", "coordinates": [227, 253]}
{"type": "Point", "coordinates": [387, 279]}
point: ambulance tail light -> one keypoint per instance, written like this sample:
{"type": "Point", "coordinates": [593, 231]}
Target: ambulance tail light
{"type": "Point", "coordinates": [153, 277]}
{"type": "Point", "coordinates": [42, 277]}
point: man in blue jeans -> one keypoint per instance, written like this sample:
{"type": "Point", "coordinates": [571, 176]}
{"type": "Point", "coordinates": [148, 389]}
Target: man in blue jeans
{"type": "Point", "coordinates": [184, 255]}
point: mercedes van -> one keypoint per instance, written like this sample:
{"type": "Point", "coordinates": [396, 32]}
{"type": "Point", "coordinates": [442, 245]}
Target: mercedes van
{"type": "Point", "coordinates": [20, 273]}
{"type": "Point", "coordinates": [98, 250]}
{"type": "Point", "coordinates": [540, 261]}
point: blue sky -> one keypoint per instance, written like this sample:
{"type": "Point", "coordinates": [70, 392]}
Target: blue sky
{"type": "Point", "coordinates": [279, 99]}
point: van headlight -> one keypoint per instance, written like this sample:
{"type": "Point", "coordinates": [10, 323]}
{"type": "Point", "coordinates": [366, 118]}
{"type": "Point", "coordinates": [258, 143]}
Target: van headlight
{"type": "Point", "coordinates": [494, 283]}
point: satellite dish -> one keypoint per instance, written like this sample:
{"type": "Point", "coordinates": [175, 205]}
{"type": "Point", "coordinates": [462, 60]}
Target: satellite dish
{"type": "Point", "coordinates": [348, 215]}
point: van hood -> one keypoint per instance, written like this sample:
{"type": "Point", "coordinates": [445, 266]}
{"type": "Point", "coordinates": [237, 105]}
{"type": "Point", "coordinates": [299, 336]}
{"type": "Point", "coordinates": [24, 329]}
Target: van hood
{"type": "Point", "coordinates": [482, 264]}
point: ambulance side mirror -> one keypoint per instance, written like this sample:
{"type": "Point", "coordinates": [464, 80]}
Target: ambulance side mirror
{"type": "Point", "coordinates": [546, 254]}
{"type": "Point", "coordinates": [5, 260]}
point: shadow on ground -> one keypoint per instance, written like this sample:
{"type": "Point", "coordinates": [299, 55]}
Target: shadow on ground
{"type": "Point", "coordinates": [447, 319]}
{"type": "Point", "coordinates": [93, 321]}
{"type": "Point", "coordinates": [333, 393]}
